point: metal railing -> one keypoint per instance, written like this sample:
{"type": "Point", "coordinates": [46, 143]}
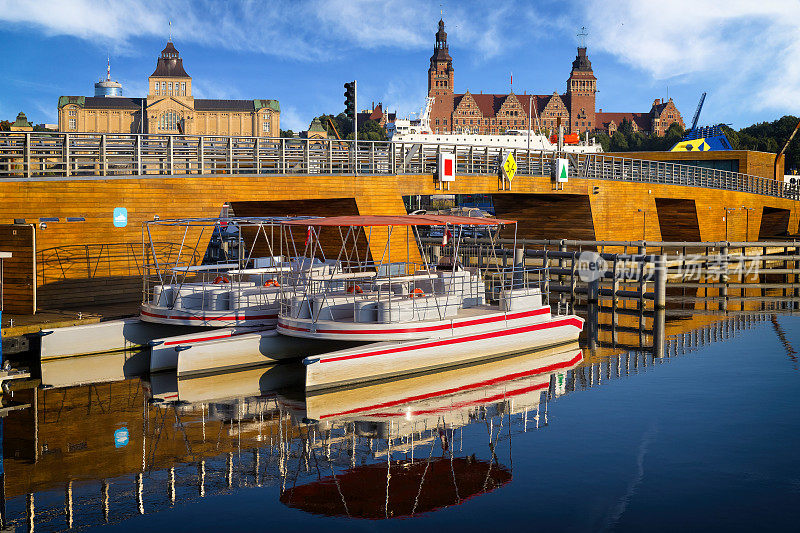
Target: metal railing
{"type": "Point", "coordinates": [37, 155]}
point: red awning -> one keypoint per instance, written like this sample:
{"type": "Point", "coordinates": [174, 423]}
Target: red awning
{"type": "Point", "coordinates": [399, 220]}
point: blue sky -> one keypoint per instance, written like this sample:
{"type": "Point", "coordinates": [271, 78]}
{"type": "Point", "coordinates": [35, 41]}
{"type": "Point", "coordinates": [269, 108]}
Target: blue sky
{"type": "Point", "coordinates": [301, 52]}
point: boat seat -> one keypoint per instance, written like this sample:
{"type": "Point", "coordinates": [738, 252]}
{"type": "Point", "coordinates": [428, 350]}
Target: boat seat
{"type": "Point", "coordinates": [404, 309]}
{"type": "Point", "coordinates": [520, 299]}
{"type": "Point", "coordinates": [255, 297]}
{"type": "Point", "coordinates": [333, 306]}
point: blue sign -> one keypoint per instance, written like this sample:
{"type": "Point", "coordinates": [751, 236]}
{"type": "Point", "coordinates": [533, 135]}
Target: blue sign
{"type": "Point", "coordinates": [121, 437]}
{"type": "Point", "coordinates": [120, 217]}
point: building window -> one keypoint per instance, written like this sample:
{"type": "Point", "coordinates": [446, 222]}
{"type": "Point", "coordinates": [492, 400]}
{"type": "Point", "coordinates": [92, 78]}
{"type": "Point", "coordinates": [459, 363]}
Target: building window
{"type": "Point", "coordinates": [72, 124]}
{"type": "Point", "coordinates": [266, 126]}
{"type": "Point", "coordinates": [163, 87]}
{"type": "Point", "coordinates": [157, 89]}
{"type": "Point", "coordinates": [169, 88]}
{"type": "Point", "coordinates": [73, 113]}
{"type": "Point", "coordinates": [169, 121]}
{"type": "Point", "coordinates": [183, 88]}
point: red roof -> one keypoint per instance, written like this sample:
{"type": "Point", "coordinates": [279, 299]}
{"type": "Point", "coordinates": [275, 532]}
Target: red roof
{"type": "Point", "coordinates": [399, 220]}
{"type": "Point", "coordinates": [490, 104]}
{"type": "Point", "coordinates": [642, 120]}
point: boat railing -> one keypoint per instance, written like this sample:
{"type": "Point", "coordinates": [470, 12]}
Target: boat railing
{"type": "Point", "coordinates": [413, 291]}
{"type": "Point", "coordinates": [214, 288]}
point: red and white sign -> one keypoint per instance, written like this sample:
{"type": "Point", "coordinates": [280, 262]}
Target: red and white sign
{"type": "Point", "coordinates": [447, 167]}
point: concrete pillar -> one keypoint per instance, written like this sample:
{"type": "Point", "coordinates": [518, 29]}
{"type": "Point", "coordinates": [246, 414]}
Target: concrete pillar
{"type": "Point", "coordinates": [660, 282]}
{"type": "Point", "coordinates": [519, 268]}
{"type": "Point", "coordinates": [659, 324]}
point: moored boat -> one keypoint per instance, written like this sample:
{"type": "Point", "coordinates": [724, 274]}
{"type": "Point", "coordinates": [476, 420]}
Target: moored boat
{"type": "Point", "coordinates": [418, 316]}
{"type": "Point", "coordinates": [237, 283]}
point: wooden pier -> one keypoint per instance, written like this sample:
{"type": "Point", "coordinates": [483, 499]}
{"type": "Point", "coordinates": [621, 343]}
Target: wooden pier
{"type": "Point", "coordinates": [58, 193]}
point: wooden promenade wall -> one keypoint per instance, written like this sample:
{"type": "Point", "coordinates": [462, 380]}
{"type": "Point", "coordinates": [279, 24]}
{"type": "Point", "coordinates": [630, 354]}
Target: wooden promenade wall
{"type": "Point", "coordinates": [19, 272]}
{"type": "Point", "coordinates": [81, 264]}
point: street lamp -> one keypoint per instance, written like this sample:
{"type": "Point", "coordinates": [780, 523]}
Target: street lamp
{"type": "Point", "coordinates": [644, 223]}
{"type": "Point", "coordinates": [747, 231]}
{"type": "Point", "coordinates": [727, 211]}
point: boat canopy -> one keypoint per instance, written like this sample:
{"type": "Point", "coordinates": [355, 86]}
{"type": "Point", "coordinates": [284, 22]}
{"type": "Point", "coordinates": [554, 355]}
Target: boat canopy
{"type": "Point", "coordinates": [399, 220]}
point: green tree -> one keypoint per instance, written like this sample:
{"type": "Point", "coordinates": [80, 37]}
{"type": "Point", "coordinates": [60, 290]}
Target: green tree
{"type": "Point", "coordinates": [287, 134]}
{"type": "Point", "coordinates": [619, 142]}
{"type": "Point", "coordinates": [604, 140]}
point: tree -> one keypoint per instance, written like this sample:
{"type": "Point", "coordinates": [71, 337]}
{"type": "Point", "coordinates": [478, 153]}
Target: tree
{"type": "Point", "coordinates": [604, 140]}
{"type": "Point", "coordinates": [287, 134]}
{"type": "Point", "coordinates": [626, 127]}
{"type": "Point", "coordinates": [619, 143]}
{"type": "Point", "coordinates": [5, 125]}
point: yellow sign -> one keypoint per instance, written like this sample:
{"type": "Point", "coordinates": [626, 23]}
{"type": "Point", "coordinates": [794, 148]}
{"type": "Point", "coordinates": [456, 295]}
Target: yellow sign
{"type": "Point", "coordinates": [696, 145]}
{"type": "Point", "coordinates": [510, 167]}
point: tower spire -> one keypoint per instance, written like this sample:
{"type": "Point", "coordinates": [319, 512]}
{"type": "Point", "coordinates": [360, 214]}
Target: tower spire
{"type": "Point", "coordinates": [582, 37]}
{"type": "Point", "coordinates": [170, 31]}
{"type": "Point", "coordinates": [108, 68]}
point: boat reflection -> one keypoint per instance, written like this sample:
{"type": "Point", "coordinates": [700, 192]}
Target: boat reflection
{"type": "Point", "coordinates": [403, 439]}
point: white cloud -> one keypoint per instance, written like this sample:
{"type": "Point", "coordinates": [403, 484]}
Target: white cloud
{"type": "Point", "coordinates": [745, 50]}
{"type": "Point", "coordinates": [314, 30]}
{"type": "Point", "coordinates": [291, 119]}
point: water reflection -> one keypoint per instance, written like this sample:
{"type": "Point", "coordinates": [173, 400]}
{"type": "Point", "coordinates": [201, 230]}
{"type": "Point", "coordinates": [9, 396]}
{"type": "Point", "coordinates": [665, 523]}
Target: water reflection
{"type": "Point", "coordinates": [121, 446]}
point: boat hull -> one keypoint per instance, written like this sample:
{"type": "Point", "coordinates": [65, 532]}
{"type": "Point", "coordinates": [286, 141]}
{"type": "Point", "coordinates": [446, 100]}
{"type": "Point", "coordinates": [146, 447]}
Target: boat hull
{"type": "Point", "coordinates": [245, 351]}
{"type": "Point", "coordinates": [265, 317]}
{"type": "Point", "coordinates": [390, 359]}
{"type": "Point", "coordinates": [164, 352]}
{"type": "Point", "coordinates": [375, 332]}
{"type": "Point", "coordinates": [443, 396]}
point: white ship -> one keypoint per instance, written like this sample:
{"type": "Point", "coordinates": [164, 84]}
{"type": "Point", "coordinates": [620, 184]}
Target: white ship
{"type": "Point", "coordinates": [419, 131]}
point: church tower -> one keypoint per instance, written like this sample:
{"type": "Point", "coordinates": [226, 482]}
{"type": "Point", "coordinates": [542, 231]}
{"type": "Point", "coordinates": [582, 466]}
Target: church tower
{"type": "Point", "coordinates": [581, 88]}
{"type": "Point", "coordinates": [440, 83]}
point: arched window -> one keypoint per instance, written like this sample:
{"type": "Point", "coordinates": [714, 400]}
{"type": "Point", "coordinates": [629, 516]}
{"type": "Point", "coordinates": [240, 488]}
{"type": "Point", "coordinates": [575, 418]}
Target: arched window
{"type": "Point", "coordinates": [169, 121]}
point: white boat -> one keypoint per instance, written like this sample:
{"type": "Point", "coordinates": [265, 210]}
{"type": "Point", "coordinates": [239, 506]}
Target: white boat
{"type": "Point", "coordinates": [449, 396]}
{"type": "Point", "coordinates": [416, 316]}
{"type": "Point", "coordinates": [242, 290]}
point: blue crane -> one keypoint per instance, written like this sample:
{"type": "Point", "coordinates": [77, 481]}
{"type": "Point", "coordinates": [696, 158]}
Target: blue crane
{"type": "Point", "coordinates": [697, 111]}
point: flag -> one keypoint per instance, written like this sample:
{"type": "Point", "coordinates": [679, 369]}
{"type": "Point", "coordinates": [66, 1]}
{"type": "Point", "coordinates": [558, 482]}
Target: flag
{"type": "Point", "coordinates": [512, 79]}
{"type": "Point", "coordinates": [446, 237]}
{"type": "Point", "coordinates": [308, 237]}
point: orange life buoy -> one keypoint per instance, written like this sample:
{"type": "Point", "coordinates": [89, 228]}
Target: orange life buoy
{"type": "Point", "coordinates": [272, 283]}
{"type": "Point", "coordinates": [355, 289]}
{"type": "Point", "coordinates": [221, 279]}
{"type": "Point", "coordinates": [417, 293]}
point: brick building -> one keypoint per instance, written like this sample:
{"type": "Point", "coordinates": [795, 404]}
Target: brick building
{"type": "Point", "coordinates": [656, 121]}
{"type": "Point", "coordinates": [169, 107]}
{"type": "Point", "coordinates": [495, 113]}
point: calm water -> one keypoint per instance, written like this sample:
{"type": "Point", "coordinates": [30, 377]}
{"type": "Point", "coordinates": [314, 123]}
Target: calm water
{"type": "Point", "coordinates": [704, 438]}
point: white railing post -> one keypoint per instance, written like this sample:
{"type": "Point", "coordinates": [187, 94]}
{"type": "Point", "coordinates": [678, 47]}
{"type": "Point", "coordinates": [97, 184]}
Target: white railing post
{"type": "Point", "coordinates": [307, 155]}
{"type": "Point", "coordinates": [230, 155]}
{"type": "Point", "coordinates": [330, 156]}
{"type": "Point", "coordinates": [138, 154]}
{"type": "Point", "coordinates": [170, 164]}
{"type": "Point", "coordinates": [26, 155]}
{"type": "Point", "coordinates": [283, 155]}
{"type": "Point", "coordinates": [103, 158]}
{"type": "Point", "coordinates": [257, 155]}
{"type": "Point", "coordinates": [201, 154]}
{"type": "Point", "coordinates": [66, 155]}
{"type": "Point", "coordinates": [372, 157]}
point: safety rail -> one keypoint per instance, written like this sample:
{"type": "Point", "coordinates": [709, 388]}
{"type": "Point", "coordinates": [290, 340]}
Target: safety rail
{"type": "Point", "coordinates": [67, 155]}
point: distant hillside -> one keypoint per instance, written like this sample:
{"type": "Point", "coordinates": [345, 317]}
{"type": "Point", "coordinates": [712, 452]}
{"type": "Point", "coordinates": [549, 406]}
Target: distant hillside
{"type": "Point", "coordinates": [764, 137]}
